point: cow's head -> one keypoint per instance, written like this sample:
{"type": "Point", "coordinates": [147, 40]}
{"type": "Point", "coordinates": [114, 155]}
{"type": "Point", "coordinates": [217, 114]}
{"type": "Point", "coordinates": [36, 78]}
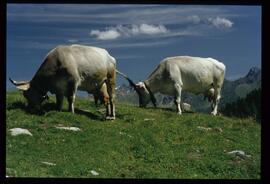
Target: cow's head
{"type": "Point", "coordinates": [145, 95]}
{"type": "Point", "coordinates": [33, 97]}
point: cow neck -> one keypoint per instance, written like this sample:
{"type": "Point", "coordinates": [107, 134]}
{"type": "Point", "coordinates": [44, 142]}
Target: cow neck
{"type": "Point", "coordinates": [40, 91]}
{"type": "Point", "coordinates": [153, 99]}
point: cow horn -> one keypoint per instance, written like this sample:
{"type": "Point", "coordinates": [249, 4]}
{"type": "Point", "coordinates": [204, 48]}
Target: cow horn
{"type": "Point", "coordinates": [131, 83]}
{"type": "Point", "coordinates": [22, 85]}
{"type": "Point", "coordinates": [16, 83]}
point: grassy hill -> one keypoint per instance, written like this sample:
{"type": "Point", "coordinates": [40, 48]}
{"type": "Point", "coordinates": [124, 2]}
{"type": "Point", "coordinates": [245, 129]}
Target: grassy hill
{"type": "Point", "coordinates": [140, 143]}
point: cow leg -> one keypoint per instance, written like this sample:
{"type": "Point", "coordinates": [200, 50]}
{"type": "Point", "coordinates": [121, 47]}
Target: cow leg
{"type": "Point", "coordinates": [96, 97]}
{"type": "Point", "coordinates": [178, 98]}
{"type": "Point", "coordinates": [71, 100]}
{"type": "Point", "coordinates": [111, 92]}
{"type": "Point", "coordinates": [72, 88]}
{"type": "Point", "coordinates": [59, 101]}
{"type": "Point", "coordinates": [216, 101]}
{"type": "Point", "coordinates": [106, 97]}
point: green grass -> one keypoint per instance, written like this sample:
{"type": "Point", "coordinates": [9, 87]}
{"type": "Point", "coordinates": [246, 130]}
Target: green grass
{"type": "Point", "coordinates": [140, 143]}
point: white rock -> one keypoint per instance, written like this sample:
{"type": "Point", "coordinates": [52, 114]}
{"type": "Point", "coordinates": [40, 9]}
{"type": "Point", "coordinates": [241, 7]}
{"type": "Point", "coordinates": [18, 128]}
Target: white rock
{"type": "Point", "coordinates": [95, 173]}
{"type": "Point", "coordinates": [123, 133]}
{"type": "Point", "coordinates": [19, 131]}
{"type": "Point", "coordinates": [150, 119]}
{"type": "Point", "coordinates": [185, 107]}
{"type": "Point", "coordinates": [49, 163]}
{"type": "Point", "coordinates": [203, 128]}
{"type": "Point", "coordinates": [68, 128]}
{"type": "Point", "coordinates": [239, 153]}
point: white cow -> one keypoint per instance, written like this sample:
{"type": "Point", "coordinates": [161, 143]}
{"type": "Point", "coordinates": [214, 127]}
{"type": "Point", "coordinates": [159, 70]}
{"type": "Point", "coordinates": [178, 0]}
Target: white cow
{"type": "Point", "coordinates": [175, 74]}
{"type": "Point", "coordinates": [68, 68]}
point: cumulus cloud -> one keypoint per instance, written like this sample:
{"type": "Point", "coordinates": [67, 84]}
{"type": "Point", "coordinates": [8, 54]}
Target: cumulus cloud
{"type": "Point", "coordinates": [127, 31]}
{"type": "Point", "coordinates": [194, 18]}
{"type": "Point", "coordinates": [220, 22]}
{"type": "Point", "coordinates": [73, 40]}
{"type": "Point", "coordinates": [152, 29]}
{"type": "Point", "coordinates": [109, 34]}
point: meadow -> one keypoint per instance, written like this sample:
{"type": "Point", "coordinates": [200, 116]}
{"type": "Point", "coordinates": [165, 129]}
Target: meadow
{"type": "Point", "coordinates": [140, 143]}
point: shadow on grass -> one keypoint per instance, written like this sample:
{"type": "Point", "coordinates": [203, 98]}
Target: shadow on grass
{"type": "Point", "coordinates": [168, 109]}
{"type": "Point", "coordinates": [46, 107]}
{"type": "Point", "coordinates": [88, 114]}
{"type": "Point", "coordinates": [16, 105]}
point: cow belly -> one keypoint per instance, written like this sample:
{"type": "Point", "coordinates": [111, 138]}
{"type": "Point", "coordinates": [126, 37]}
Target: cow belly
{"type": "Point", "coordinates": [87, 86]}
{"type": "Point", "coordinates": [197, 83]}
{"type": "Point", "coordinates": [198, 87]}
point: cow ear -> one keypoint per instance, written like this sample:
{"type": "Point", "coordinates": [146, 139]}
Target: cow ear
{"type": "Point", "coordinates": [23, 87]}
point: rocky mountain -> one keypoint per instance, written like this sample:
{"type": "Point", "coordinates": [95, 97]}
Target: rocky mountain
{"type": "Point", "coordinates": [231, 91]}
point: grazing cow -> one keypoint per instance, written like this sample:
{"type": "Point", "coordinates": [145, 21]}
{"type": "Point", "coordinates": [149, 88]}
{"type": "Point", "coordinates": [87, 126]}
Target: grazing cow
{"type": "Point", "coordinates": [68, 68]}
{"type": "Point", "coordinates": [192, 74]}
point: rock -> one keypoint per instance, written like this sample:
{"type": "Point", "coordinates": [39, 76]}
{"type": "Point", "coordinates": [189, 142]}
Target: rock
{"type": "Point", "coordinates": [186, 107]}
{"type": "Point", "coordinates": [150, 119]}
{"type": "Point", "coordinates": [19, 131]}
{"type": "Point", "coordinates": [95, 173]}
{"type": "Point", "coordinates": [238, 153]}
{"type": "Point", "coordinates": [123, 133]}
{"type": "Point", "coordinates": [204, 128]}
{"type": "Point", "coordinates": [49, 163]}
{"type": "Point", "coordinates": [68, 128]}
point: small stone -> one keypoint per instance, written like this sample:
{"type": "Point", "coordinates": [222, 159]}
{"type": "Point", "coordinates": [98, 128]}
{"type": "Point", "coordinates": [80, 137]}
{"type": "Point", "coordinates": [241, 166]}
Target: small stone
{"type": "Point", "coordinates": [239, 153]}
{"type": "Point", "coordinates": [49, 163]}
{"type": "Point", "coordinates": [95, 173]}
{"type": "Point", "coordinates": [68, 128]}
{"type": "Point", "coordinates": [203, 128]}
{"type": "Point", "coordinates": [19, 131]}
{"type": "Point", "coordinates": [150, 119]}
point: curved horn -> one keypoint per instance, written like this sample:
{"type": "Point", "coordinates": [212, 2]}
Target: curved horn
{"type": "Point", "coordinates": [120, 73]}
{"type": "Point", "coordinates": [17, 83]}
{"type": "Point", "coordinates": [131, 83]}
{"type": "Point", "coordinates": [22, 85]}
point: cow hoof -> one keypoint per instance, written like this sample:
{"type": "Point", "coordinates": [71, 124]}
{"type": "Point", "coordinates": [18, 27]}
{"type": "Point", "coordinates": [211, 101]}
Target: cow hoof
{"type": "Point", "coordinates": [213, 113]}
{"type": "Point", "coordinates": [179, 113]}
{"type": "Point", "coordinates": [110, 118]}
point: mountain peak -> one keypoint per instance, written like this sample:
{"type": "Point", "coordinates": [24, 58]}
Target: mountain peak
{"type": "Point", "coordinates": [253, 71]}
{"type": "Point", "coordinates": [254, 74]}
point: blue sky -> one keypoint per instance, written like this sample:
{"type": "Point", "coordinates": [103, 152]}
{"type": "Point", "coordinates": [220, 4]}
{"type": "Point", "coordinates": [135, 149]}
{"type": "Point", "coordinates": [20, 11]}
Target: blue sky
{"type": "Point", "coordinates": [138, 36]}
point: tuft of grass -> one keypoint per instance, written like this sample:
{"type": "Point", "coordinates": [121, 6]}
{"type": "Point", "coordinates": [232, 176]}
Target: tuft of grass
{"type": "Point", "coordinates": [140, 143]}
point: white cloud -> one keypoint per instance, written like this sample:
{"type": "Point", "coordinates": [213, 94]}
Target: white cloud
{"type": "Point", "coordinates": [194, 18]}
{"type": "Point", "coordinates": [109, 34]}
{"type": "Point", "coordinates": [73, 40]}
{"type": "Point", "coordinates": [220, 22]}
{"type": "Point", "coordinates": [127, 31]}
{"type": "Point", "coordinates": [152, 29]}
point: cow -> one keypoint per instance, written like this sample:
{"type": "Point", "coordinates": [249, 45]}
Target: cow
{"type": "Point", "coordinates": [68, 68]}
{"type": "Point", "coordinates": [183, 73]}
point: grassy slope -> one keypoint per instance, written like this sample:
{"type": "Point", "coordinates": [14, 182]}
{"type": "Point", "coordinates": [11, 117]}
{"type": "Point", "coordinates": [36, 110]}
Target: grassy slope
{"type": "Point", "coordinates": [141, 143]}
